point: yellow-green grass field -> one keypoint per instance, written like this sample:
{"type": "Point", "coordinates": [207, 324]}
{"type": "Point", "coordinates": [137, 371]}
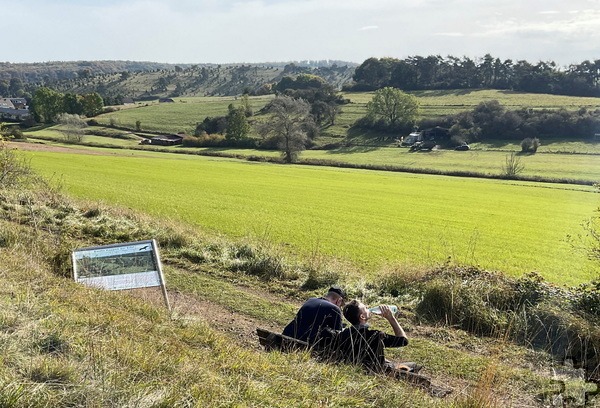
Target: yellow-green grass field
{"type": "Point", "coordinates": [371, 218]}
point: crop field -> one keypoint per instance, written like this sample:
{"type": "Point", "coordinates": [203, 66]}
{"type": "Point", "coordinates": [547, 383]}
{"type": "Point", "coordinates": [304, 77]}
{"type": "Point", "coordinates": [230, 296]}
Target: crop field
{"type": "Point", "coordinates": [370, 218]}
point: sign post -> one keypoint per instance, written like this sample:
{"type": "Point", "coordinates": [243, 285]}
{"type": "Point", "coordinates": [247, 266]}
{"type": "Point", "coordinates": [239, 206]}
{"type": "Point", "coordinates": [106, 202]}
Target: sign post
{"type": "Point", "coordinates": [128, 265]}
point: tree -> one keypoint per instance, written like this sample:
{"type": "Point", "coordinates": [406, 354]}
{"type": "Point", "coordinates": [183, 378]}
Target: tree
{"type": "Point", "coordinates": [92, 104]}
{"type": "Point", "coordinates": [289, 124]}
{"type": "Point", "coordinates": [72, 127]}
{"type": "Point", "coordinates": [393, 106]}
{"type": "Point", "coordinates": [46, 104]}
{"type": "Point", "coordinates": [73, 103]}
{"type": "Point", "coordinates": [237, 124]}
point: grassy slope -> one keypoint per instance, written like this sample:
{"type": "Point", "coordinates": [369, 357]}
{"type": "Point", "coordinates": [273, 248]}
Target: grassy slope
{"type": "Point", "coordinates": [370, 217]}
{"type": "Point", "coordinates": [180, 116]}
{"type": "Point", "coordinates": [66, 345]}
{"type": "Point", "coordinates": [186, 112]}
{"type": "Point", "coordinates": [439, 103]}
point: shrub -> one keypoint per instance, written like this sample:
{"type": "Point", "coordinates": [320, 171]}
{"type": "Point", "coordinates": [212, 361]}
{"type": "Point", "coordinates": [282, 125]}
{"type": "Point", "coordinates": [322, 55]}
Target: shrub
{"type": "Point", "coordinates": [587, 299]}
{"type": "Point", "coordinates": [320, 277]}
{"type": "Point", "coordinates": [262, 261]}
{"type": "Point", "coordinates": [72, 127]}
{"type": "Point", "coordinates": [512, 165]}
{"type": "Point", "coordinates": [530, 145]}
{"type": "Point", "coordinates": [13, 132]}
{"type": "Point", "coordinates": [204, 140]}
{"type": "Point", "coordinates": [13, 168]}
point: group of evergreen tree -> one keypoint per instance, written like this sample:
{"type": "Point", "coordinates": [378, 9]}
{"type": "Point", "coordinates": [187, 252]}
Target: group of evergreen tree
{"type": "Point", "coordinates": [436, 72]}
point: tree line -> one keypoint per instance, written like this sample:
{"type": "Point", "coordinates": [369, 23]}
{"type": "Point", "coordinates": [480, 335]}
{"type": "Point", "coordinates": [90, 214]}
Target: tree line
{"type": "Point", "coordinates": [436, 72]}
{"type": "Point", "coordinates": [47, 104]}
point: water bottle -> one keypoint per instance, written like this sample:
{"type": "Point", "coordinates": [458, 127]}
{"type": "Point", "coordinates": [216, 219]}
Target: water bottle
{"type": "Point", "coordinates": [376, 310]}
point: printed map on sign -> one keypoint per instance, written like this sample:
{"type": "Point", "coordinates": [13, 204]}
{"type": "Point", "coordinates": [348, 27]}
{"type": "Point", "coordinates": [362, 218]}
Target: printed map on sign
{"type": "Point", "coordinates": [118, 266]}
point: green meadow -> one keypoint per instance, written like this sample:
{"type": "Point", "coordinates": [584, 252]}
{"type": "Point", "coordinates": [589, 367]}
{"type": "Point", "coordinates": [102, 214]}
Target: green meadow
{"type": "Point", "coordinates": [582, 167]}
{"type": "Point", "coordinates": [182, 115]}
{"type": "Point", "coordinates": [368, 217]}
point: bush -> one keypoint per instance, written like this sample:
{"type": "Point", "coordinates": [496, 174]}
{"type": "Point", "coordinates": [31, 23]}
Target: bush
{"type": "Point", "coordinates": [13, 169]}
{"type": "Point", "coordinates": [12, 132]}
{"type": "Point", "coordinates": [263, 261]}
{"type": "Point", "coordinates": [512, 165]}
{"type": "Point", "coordinates": [211, 125]}
{"type": "Point", "coordinates": [587, 299]}
{"type": "Point", "coordinates": [204, 140]}
{"type": "Point", "coordinates": [530, 145]}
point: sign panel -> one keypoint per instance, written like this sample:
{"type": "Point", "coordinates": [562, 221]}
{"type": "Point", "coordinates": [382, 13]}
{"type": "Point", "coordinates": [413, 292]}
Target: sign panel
{"type": "Point", "coordinates": [119, 266]}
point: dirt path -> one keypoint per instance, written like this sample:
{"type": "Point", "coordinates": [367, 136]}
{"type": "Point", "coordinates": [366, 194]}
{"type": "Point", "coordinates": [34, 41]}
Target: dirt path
{"type": "Point", "coordinates": [42, 147]}
{"type": "Point", "coordinates": [237, 326]}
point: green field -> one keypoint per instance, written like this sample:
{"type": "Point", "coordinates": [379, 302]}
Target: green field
{"type": "Point", "coordinates": [179, 116]}
{"type": "Point", "coordinates": [449, 102]}
{"type": "Point", "coordinates": [183, 115]}
{"type": "Point", "coordinates": [584, 167]}
{"type": "Point", "coordinates": [368, 217]}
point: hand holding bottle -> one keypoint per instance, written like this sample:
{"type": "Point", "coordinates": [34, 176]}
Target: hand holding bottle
{"type": "Point", "coordinates": [377, 309]}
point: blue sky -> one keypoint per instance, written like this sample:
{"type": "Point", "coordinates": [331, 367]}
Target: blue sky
{"type": "Point", "coordinates": [236, 31]}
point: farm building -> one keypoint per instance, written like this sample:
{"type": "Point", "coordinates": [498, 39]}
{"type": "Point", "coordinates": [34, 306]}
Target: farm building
{"type": "Point", "coordinates": [164, 140]}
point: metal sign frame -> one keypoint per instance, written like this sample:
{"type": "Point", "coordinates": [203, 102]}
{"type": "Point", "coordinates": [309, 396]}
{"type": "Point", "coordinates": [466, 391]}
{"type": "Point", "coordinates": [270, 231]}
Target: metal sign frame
{"type": "Point", "coordinates": [121, 266]}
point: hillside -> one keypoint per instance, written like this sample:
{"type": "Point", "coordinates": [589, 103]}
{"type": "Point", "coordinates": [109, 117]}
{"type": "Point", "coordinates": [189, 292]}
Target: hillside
{"type": "Point", "coordinates": [67, 345]}
{"type": "Point", "coordinates": [115, 80]}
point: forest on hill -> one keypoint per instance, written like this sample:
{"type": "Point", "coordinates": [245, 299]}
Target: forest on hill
{"type": "Point", "coordinates": [119, 80]}
{"type": "Point", "coordinates": [436, 72]}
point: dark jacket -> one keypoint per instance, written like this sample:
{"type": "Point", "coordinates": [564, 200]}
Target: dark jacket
{"type": "Point", "coordinates": [361, 345]}
{"type": "Point", "coordinates": [315, 314]}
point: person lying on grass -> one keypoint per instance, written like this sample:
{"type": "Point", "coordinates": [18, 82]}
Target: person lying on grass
{"type": "Point", "coordinates": [358, 344]}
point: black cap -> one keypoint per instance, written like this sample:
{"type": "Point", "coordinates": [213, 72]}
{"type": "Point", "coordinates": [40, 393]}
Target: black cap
{"type": "Point", "coordinates": [338, 290]}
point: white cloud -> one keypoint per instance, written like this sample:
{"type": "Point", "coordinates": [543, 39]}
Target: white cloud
{"type": "Point", "coordinates": [270, 30]}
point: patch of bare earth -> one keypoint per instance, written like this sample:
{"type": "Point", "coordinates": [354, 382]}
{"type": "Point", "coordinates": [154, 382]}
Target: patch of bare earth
{"type": "Point", "coordinates": [235, 325]}
{"type": "Point", "coordinates": [42, 147]}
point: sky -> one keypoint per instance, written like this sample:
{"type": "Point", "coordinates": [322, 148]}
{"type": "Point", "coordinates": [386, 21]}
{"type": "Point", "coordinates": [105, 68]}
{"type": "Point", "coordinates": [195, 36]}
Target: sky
{"type": "Point", "coordinates": [245, 31]}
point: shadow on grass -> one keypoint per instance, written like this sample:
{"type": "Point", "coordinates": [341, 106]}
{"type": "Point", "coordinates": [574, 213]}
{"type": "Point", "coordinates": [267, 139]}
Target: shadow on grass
{"type": "Point", "coordinates": [354, 149]}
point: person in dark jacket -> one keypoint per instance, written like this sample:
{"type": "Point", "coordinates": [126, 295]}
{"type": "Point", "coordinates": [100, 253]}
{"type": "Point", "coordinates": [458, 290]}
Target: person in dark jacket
{"type": "Point", "coordinates": [358, 344]}
{"type": "Point", "coordinates": [317, 314]}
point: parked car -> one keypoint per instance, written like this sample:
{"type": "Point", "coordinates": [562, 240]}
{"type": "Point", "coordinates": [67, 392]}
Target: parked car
{"type": "Point", "coordinates": [463, 147]}
{"type": "Point", "coordinates": [411, 139]}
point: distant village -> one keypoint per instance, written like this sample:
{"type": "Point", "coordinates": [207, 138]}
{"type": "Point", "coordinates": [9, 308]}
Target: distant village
{"type": "Point", "coordinates": [14, 109]}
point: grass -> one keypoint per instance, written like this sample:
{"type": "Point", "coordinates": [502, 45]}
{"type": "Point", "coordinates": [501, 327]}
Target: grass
{"type": "Point", "coordinates": [68, 345]}
{"type": "Point", "coordinates": [372, 218]}
{"type": "Point", "coordinates": [449, 102]}
{"type": "Point", "coordinates": [183, 115]}
{"type": "Point", "coordinates": [180, 116]}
